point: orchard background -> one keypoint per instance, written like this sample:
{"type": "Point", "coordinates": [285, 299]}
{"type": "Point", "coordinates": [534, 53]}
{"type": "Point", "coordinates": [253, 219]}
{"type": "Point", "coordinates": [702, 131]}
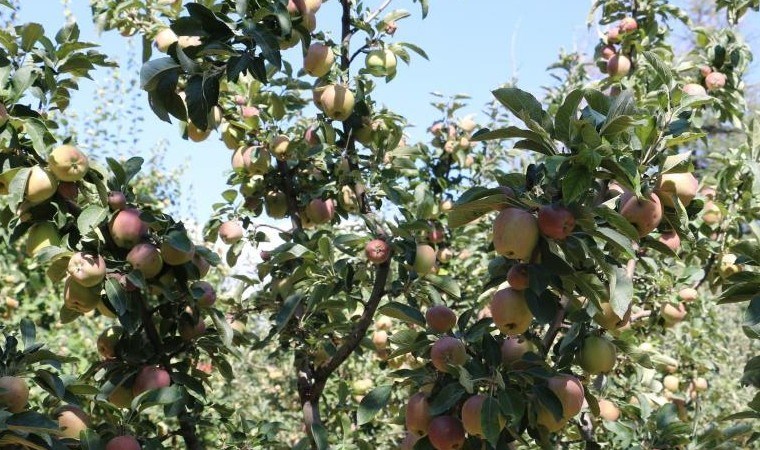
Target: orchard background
{"type": "Point", "coordinates": [573, 266]}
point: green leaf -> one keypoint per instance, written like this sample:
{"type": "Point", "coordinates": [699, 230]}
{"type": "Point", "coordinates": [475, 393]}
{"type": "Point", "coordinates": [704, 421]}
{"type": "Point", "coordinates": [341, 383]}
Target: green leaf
{"type": "Point", "coordinates": [465, 212]}
{"type": "Point", "coordinates": [676, 163]}
{"type": "Point", "coordinates": [319, 432]}
{"type": "Point", "coordinates": [751, 325]}
{"type": "Point", "coordinates": [623, 243]}
{"type": "Point", "coordinates": [447, 285]}
{"type": "Point", "coordinates": [31, 422]}
{"type": "Point", "coordinates": [28, 332]}
{"type": "Point", "coordinates": [566, 116]}
{"type": "Point", "coordinates": [222, 327]}
{"type": "Point", "coordinates": [577, 181]}
{"type": "Point", "coordinates": [490, 420]}
{"type": "Point", "coordinates": [287, 310]}
{"type": "Point", "coordinates": [116, 296]}
{"type": "Point", "coordinates": [163, 396]}
{"type": "Point", "coordinates": [446, 398]}
{"type": "Point", "coordinates": [270, 48]}
{"type": "Point", "coordinates": [152, 71]}
{"type": "Point", "coordinates": [30, 34]}
{"type": "Point", "coordinates": [90, 218]}
{"type": "Point", "coordinates": [751, 375]}
{"type": "Point", "coordinates": [660, 68]}
{"type": "Point", "coordinates": [621, 291]}
{"type": "Point", "coordinates": [618, 222]}
{"type": "Point", "coordinates": [372, 403]}
{"type": "Point", "coordinates": [522, 104]}
{"type": "Point", "coordinates": [402, 312]}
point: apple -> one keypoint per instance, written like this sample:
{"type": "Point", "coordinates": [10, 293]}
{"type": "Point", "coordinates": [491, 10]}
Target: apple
{"type": "Point", "coordinates": [201, 264]}
{"type": "Point", "coordinates": [87, 269]}
{"type": "Point", "coordinates": [348, 199]}
{"type": "Point", "coordinates": [671, 240]}
{"type": "Point", "coordinates": [694, 89]}
{"type": "Point", "coordinates": [337, 101]}
{"type": "Point", "coordinates": [711, 214]}
{"type": "Point", "coordinates": [448, 351]}
{"type": "Point", "coordinates": [628, 24]}
{"type": "Point", "coordinates": [688, 294]}
{"type": "Point", "coordinates": [203, 293]}
{"type": "Point", "coordinates": [518, 277]}
{"type": "Point", "coordinates": [72, 421]}
{"type": "Point", "coordinates": [618, 66]}
{"type": "Point", "coordinates": [555, 222]}
{"type": "Point", "coordinates": [673, 313]}
{"type": "Point", "coordinates": [683, 185]}
{"type": "Point", "coordinates": [643, 213]}
{"type": "Point", "coordinates": [164, 39]}
{"type": "Point", "coordinates": [472, 410]}
{"type": "Point", "coordinates": [316, 95]}
{"type": "Point", "coordinates": [613, 35]}
{"type": "Point", "coordinates": [424, 259]}
{"type": "Point", "coordinates": [671, 383]}
{"type": "Point", "coordinates": [377, 251]}
{"type": "Point", "coordinates": [514, 348]}
{"type": "Point", "coordinates": [715, 81]}
{"type": "Point", "coordinates": [410, 439]}
{"type": "Point", "coordinates": [380, 63]}
{"type": "Point", "coordinates": [440, 318]}
{"type": "Point", "coordinates": [196, 134]}
{"type": "Point", "coordinates": [121, 397]}
{"type": "Point", "coordinates": [380, 339]}
{"type": "Point", "coordinates": [68, 190]}
{"type": "Point", "coordinates": [609, 320]}
{"type": "Point", "coordinates": [231, 232]}
{"type": "Point", "coordinates": [189, 41]}
{"type": "Point", "coordinates": [126, 228]}
{"type": "Point", "coordinates": [417, 416]}
{"type": "Point", "coordinates": [107, 341]}
{"type": "Point", "coordinates": [320, 211]}
{"type": "Point", "coordinates": [14, 393]}
{"type": "Point", "coordinates": [728, 266]}
{"type": "Point", "coordinates": [243, 162]}
{"type": "Point", "coordinates": [510, 312]}
{"type": "Point", "coordinates": [105, 310]}
{"type": "Point", "coordinates": [79, 298]}
{"type": "Point", "coordinates": [570, 392]}
{"type": "Point", "coordinates": [446, 433]}
{"type": "Point", "coordinates": [123, 443]}
{"type": "Point", "coordinates": [276, 204]}
{"type": "Point", "coordinates": [311, 137]}
{"type": "Point", "coordinates": [190, 327]}
{"type": "Point", "coordinates": [447, 205]}
{"type": "Point", "coordinates": [383, 323]}
{"type": "Point", "coordinates": [149, 378]}
{"type": "Point", "coordinates": [608, 410]}
{"type": "Point", "coordinates": [117, 200]}
{"type": "Point", "coordinates": [176, 256]}
{"type": "Point", "coordinates": [306, 6]}
{"type": "Point", "coordinates": [68, 163]}
{"type": "Point", "coordinates": [280, 147]}
{"type": "Point", "coordinates": [319, 60]}
{"type": "Point", "coordinates": [597, 355]}
{"type": "Point", "coordinates": [700, 384]}
{"type": "Point", "coordinates": [41, 235]}
{"type": "Point", "coordinates": [147, 259]}
{"type": "Point", "coordinates": [515, 234]}
{"type": "Point", "coordinates": [608, 51]}
{"type": "Point", "coordinates": [40, 186]}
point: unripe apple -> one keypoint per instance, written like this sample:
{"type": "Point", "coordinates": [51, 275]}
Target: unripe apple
{"type": "Point", "coordinates": [424, 259]}
{"type": "Point", "coordinates": [14, 394]}
{"type": "Point", "coordinates": [471, 415]}
{"type": "Point", "coordinates": [176, 256]}
{"type": "Point", "coordinates": [440, 318]}
{"type": "Point", "coordinates": [149, 378]}
{"type": "Point", "coordinates": [349, 200]}
{"type": "Point", "coordinates": [164, 39]}
{"type": "Point", "coordinates": [515, 234]}
{"type": "Point", "coordinates": [518, 278]}
{"type": "Point", "coordinates": [203, 293]}
{"type": "Point", "coordinates": [79, 298]}
{"type": "Point", "coordinates": [68, 163]}
{"type": "Point", "coordinates": [307, 6]}
{"type": "Point", "coordinates": [446, 433]}
{"type": "Point", "coordinates": [123, 443]}
{"type": "Point", "coordinates": [628, 24]}
{"type": "Point", "coordinates": [597, 355]}
{"type": "Point", "coordinates": [320, 211]}
{"type": "Point", "coordinates": [361, 387]}
{"type": "Point", "coordinates": [700, 384]}
{"type": "Point", "coordinates": [711, 214]}
{"type": "Point", "coordinates": [87, 269]}
{"type": "Point", "coordinates": [243, 162]}
{"type": "Point", "coordinates": [280, 147]}
{"type": "Point", "coordinates": [377, 251]}
{"type": "Point", "coordinates": [608, 410]}
{"type": "Point", "coordinates": [410, 439]}
{"type": "Point", "coordinates": [201, 264]}
{"type": "Point", "coordinates": [231, 232]}
{"type": "Point", "coordinates": [510, 312]}
{"type": "Point", "coordinates": [514, 348]}
{"type": "Point", "coordinates": [337, 101]}
{"type": "Point", "coordinates": [310, 22]}
{"type": "Point", "coordinates": [291, 41]}
{"type": "Point", "coordinates": [448, 351]}
{"type": "Point", "coordinates": [196, 134]}
{"type": "Point", "coordinates": [40, 186]}
{"type": "Point", "coordinates": [728, 266]}
{"type": "Point", "coordinates": [671, 383]}
{"type": "Point", "coordinates": [671, 239]}
{"type": "Point", "coordinates": [117, 200]}
{"type": "Point", "coordinates": [41, 235]}
{"type": "Point", "coordinates": [276, 204]}
{"type": "Point", "coordinates": [107, 341]}
{"type": "Point", "coordinates": [609, 320]}
{"type": "Point", "coordinates": [126, 228]}
{"type": "Point", "coordinates": [380, 339]}
{"type": "Point", "coordinates": [319, 60]}
{"type": "Point", "coordinates": [673, 314]}
{"type": "Point", "coordinates": [618, 66]}
{"type": "Point", "coordinates": [555, 221]}
{"type": "Point", "coordinates": [380, 63]}
{"type": "Point", "coordinates": [418, 414]}
{"type": "Point", "coordinates": [316, 96]}
{"type": "Point", "coordinates": [190, 327]}
{"type": "Point", "coordinates": [688, 294]}
{"type": "Point", "coordinates": [715, 81]}
{"type": "Point", "coordinates": [571, 395]}
{"type": "Point", "coordinates": [683, 185]}
{"type": "Point", "coordinates": [121, 397]}
{"type": "Point", "coordinates": [643, 213]}
{"type": "Point", "coordinates": [72, 421]}
{"type": "Point", "coordinates": [608, 51]}
{"type": "Point", "coordinates": [694, 89]}
{"type": "Point", "coordinates": [147, 259]}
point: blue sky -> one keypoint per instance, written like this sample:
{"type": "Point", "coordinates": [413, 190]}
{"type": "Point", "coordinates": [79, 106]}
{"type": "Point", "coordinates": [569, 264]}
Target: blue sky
{"type": "Point", "coordinates": [473, 45]}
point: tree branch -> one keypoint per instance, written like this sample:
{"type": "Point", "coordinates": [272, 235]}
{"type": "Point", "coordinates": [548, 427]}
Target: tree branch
{"type": "Point", "coordinates": [551, 334]}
